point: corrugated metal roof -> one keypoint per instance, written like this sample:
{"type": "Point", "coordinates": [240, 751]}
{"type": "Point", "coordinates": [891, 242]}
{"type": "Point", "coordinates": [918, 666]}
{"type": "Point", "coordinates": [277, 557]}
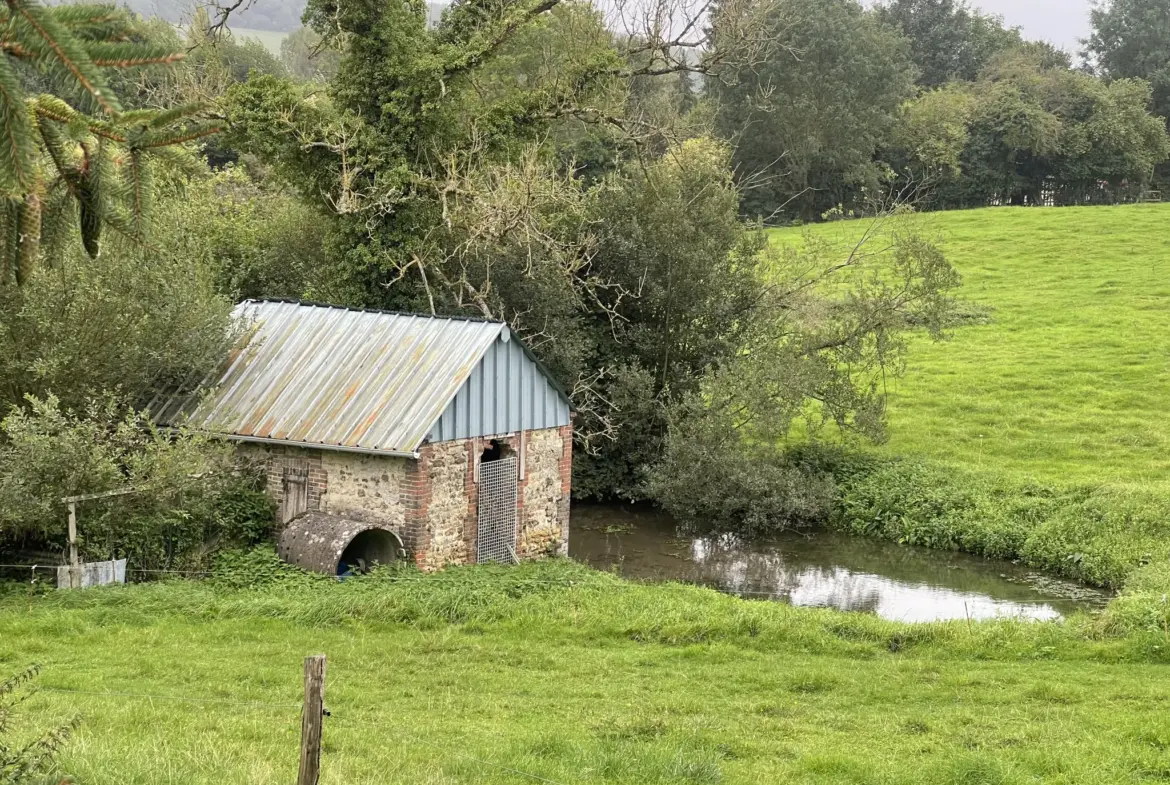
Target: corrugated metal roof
{"type": "Point", "coordinates": [338, 378]}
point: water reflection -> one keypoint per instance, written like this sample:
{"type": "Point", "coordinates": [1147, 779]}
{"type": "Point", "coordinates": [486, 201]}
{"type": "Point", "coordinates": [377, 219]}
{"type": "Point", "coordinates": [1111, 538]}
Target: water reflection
{"type": "Point", "coordinates": [823, 570]}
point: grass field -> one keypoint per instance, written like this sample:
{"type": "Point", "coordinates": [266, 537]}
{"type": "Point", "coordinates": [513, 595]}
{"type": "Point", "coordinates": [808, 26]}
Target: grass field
{"type": "Point", "coordinates": [471, 676]}
{"type": "Point", "coordinates": [1071, 379]}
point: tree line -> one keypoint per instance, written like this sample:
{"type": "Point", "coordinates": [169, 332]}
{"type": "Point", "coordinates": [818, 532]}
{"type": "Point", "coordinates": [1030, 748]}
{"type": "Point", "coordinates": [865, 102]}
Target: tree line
{"type": "Point", "coordinates": [936, 97]}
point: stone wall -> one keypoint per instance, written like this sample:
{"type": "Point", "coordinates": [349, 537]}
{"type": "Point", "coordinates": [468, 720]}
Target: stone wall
{"type": "Point", "coordinates": [366, 488]}
{"type": "Point", "coordinates": [442, 521]}
{"type": "Point", "coordinates": [369, 488]}
{"type": "Point", "coordinates": [544, 493]}
{"type": "Point", "coordinates": [432, 503]}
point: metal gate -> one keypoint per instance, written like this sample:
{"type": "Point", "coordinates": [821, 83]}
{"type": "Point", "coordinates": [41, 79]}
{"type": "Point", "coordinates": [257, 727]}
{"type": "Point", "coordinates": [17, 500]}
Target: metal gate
{"type": "Point", "coordinates": [497, 511]}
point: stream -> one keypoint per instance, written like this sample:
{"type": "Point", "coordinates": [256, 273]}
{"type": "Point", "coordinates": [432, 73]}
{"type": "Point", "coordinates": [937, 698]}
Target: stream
{"type": "Point", "coordinates": [824, 569]}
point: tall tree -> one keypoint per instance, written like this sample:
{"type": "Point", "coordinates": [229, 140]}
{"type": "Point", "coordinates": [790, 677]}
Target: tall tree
{"type": "Point", "coordinates": [1131, 39]}
{"type": "Point", "coordinates": [949, 39]}
{"type": "Point", "coordinates": [69, 150]}
{"type": "Point", "coordinates": [806, 121]}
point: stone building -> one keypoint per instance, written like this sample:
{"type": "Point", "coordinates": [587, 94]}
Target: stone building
{"type": "Point", "coordinates": [387, 434]}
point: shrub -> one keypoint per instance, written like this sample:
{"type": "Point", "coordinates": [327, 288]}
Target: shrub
{"type": "Point", "coordinates": [29, 762]}
{"type": "Point", "coordinates": [189, 499]}
{"type": "Point", "coordinates": [1096, 535]}
{"type": "Point", "coordinates": [751, 492]}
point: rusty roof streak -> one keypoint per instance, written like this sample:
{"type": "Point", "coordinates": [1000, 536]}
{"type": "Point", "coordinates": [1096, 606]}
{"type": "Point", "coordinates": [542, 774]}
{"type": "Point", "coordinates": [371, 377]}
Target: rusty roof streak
{"type": "Point", "coordinates": [334, 377]}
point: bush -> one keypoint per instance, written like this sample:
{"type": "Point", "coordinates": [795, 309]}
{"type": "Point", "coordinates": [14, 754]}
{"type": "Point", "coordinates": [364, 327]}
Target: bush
{"type": "Point", "coordinates": [750, 492]}
{"type": "Point", "coordinates": [189, 498]}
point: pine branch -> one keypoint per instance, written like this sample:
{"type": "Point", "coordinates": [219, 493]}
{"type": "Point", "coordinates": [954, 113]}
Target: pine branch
{"type": "Point", "coordinates": [168, 140]}
{"type": "Point", "coordinates": [17, 149]}
{"type": "Point", "coordinates": [45, 36]}
{"type": "Point", "coordinates": [88, 13]}
{"type": "Point", "coordinates": [130, 54]}
{"type": "Point", "coordinates": [54, 108]}
{"type": "Point", "coordinates": [168, 116]}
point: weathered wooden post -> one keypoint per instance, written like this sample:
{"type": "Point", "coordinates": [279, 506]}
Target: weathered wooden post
{"type": "Point", "coordinates": [74, 560]}
{"type": "Point", "coordinates": [312, 718]}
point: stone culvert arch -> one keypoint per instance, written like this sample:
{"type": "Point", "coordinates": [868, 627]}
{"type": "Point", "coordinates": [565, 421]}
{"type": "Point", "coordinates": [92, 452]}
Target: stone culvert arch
{"type": "Point", "coordinates": [331, 545]}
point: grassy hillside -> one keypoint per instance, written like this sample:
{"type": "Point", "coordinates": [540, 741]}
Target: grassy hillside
{"type": "Point", "coordinates": [1071, 379]}
{"type": "Point", "coordinates": [573, 676]}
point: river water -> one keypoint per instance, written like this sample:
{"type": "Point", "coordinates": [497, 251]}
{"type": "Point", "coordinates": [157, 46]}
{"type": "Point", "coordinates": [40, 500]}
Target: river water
{"type": "Point", "coordinates": [823, 569]}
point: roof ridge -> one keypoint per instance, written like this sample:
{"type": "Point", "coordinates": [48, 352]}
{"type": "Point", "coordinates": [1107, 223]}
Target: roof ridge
{"type": "Point", "coordinates": [316, 304]}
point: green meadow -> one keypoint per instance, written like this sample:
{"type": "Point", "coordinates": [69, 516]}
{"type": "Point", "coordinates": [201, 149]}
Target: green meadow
{"type": "Point", "coordinates": [1069, 381]}
{"type": "Point", "coordinates": [553, 673]}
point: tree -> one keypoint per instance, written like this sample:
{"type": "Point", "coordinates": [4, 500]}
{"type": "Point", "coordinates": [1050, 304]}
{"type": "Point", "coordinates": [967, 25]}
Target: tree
{"type": "Point", "coordinates": [932, 135]}
{"type": "Point", "coordinates": [829, 334]}
{"type": "Point", "coordinates": [806, 121]}
{"type": "Point", "coordinates": [1131, 39]}
{"type": "Point", "coordinates": [949, 40]}
{"type": "Point", "coordinates": [1038, 132]}
{"type": "Point", "coordinates": [71, 152]}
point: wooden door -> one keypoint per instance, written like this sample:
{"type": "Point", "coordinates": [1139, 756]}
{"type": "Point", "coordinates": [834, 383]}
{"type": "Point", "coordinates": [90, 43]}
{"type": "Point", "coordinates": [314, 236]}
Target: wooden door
{"type": "Point", "coordinates": [294, 499]}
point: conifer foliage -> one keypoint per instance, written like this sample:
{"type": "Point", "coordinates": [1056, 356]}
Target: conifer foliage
{"type": "Point", "coordinates": [70, 157]}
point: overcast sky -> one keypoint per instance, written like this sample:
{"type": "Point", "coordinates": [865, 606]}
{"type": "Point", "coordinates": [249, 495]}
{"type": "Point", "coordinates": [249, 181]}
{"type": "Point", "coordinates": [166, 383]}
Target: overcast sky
{"type": "Point", "coordinates": [1061, 22]}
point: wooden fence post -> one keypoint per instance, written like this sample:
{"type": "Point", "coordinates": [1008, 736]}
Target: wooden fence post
{"type": "Point", "coordinates": [313, 714]}
{"type": "Point", "coordinates": [74, 561]}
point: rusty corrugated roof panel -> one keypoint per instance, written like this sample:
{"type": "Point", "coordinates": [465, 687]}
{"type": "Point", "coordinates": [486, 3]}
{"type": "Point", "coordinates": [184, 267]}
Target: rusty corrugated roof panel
{"type": "Point", "coordinates": [338, 378]}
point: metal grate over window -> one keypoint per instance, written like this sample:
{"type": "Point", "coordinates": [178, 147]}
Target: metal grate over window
{"type": "Point", "coordinates": [497, 511]}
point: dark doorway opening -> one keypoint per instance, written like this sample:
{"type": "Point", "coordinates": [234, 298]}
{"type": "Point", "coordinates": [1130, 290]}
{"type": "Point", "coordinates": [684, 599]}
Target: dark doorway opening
{"type": "Point", "coordinates": [367, 550]}
{"type": "Point", "coordinates": [494, 451]}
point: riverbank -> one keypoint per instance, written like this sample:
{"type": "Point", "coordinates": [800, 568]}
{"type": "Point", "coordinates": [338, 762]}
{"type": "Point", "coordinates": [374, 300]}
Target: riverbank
{"type": "Point", "coordinates": [573, 676]}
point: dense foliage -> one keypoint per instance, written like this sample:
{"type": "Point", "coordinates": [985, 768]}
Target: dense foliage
{"type": "Point", "coordinates": [186, 498]}
{"type": "Point", "coordinates": [949, 40]}
{"type": "Point", "coordinates": [1026, 133]}
{"type": "Point", "coordinates": [807, 122]}
{"type": "Point", "coordinates": [829, 118]}
{"type": "Point", "coordinates": [1131, 40]}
